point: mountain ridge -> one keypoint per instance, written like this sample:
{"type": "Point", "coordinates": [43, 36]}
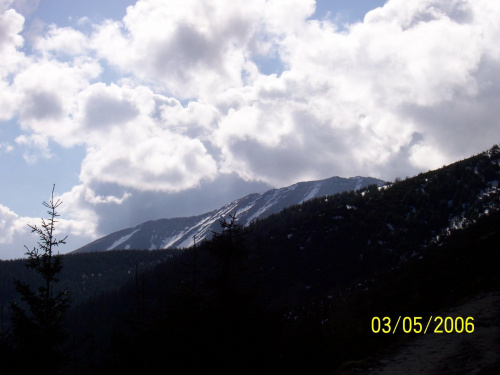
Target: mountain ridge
{"type": "Point", "coordinates": [295, 289]}
{"type": "Point", "coordinates": [298, 289]}
{"type": "Point", "coordinates": [181, 231]}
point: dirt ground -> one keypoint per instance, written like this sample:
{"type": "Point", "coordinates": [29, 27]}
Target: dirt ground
{"type": "Point", "coordinates": [476, 353]}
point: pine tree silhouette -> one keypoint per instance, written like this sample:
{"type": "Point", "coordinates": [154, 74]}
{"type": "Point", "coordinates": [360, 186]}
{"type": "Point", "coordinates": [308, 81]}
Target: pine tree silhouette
{"type": "Point", "coordinates": [38, 320]}
{"type": "Point", "coordinates": [228, 249]}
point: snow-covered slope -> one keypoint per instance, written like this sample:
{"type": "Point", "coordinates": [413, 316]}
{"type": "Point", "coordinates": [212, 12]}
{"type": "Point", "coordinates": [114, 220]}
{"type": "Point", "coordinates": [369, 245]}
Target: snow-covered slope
{"type": "Point", "coordinates": [179, 232]}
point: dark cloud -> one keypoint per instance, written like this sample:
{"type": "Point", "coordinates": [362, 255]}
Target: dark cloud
{"type": "Point", "coordinates": [106, 110]}
{"type": "Point", "coordinates": [457, 11]}
{"type": "Point", "coordinates": [300, 155]}
{"type": "Point", "coordinates": [42, 105]}
{"type": "Point", "coordinates": [188, 49]}
{"type": "Point", "coordinates": [466, 125]}
{"type": "Point", "coordinates": [144, 206]}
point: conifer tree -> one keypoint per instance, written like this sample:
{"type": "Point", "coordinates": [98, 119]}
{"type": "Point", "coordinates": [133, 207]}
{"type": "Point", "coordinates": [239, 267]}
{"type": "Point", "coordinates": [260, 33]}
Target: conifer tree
{"type": "Point", "coordinates": [38, 319]}
{"type": "Point", "coordinates": [228, 249]}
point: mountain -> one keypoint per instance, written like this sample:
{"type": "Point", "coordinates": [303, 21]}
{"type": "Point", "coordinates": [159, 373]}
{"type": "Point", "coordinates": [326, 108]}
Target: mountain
{"type": "Point", "coordinates": [179, 232]}
{"type": "Point", "coordinates": [299, 291]}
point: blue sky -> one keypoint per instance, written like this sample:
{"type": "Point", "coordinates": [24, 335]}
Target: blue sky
{"type": "Point", "coordinates": [151, 109]}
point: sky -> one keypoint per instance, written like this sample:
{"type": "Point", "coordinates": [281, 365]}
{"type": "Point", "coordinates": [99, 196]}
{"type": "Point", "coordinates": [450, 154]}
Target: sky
{"type": "Point", "coordinates": [140, 110]}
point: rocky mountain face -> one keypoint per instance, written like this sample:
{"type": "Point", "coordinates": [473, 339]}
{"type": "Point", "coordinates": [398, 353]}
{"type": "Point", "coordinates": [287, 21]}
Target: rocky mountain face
{"type": "Point", "coordinates": [180, 232]}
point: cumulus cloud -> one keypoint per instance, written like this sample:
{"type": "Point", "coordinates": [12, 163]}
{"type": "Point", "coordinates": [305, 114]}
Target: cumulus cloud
{"type": "Point", "coordinates": [46, 93]}
{"type": "Point", "coordinates": [134, 138]}
{"type": "Point", "coordinates": [78, 221]}
{"type": "Point", "coordinates": [7, 228]}
{"type": "Point", "coordinates": [62, 40]}
{"type": "Point", "coordinates": [37, 146]}
{"type": "Point", "coordinates": [360, 95]}
{"type": "Point", "coordinates": [159, 162]}
{"type": "Point", "coordinates": [108, 106]}
{"type": "Point", "coordinates": [15, 235]}
{"type": "Point", "coordinates": [77, 209]}
{"type": "Point", "coordinates": [11, 24]}
{"type": "Point", "coordinates": [194, 48]}
{"type": "Point", "coordinates": [412, 87]}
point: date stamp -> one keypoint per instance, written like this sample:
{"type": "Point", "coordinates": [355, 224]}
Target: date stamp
{"type": "Point", "coordinates": [416, 324]}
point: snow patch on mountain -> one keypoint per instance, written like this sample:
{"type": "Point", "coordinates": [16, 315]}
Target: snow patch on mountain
{"type": "Point", "coordinates": [180, 232]}
{"type": "Point", "coordinates": [121, 240]}
{"type": "Point", "coordinates": [169, 241]}
{"type": "Point", "coordinates": [269, 203]}
{"type": "Point", "coordinates": [312, 194]}
{"type": "Point", "coordinates": [359, 183]}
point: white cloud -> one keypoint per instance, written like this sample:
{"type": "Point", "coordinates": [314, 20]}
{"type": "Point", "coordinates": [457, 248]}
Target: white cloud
{"type": "Point", "coordinates": [193, 48]}
{"type": "Point", "coordinates": [196, 118]}
{"type": "Point", "coordinates": [163, 161]}
{"type": "Point", "coordinates": [6, 147]}
{"type": "Point", "coordinates": [78, 221]}
{"type": "Point", "coordinates": [65, 40]}
{"type": "Point", "coordinates": [77, 209]}
{"type": "Point", "coordinates": [82, 21]}
{"type": "Point", "coordinates": [92, 198]}
{"type": "Point", "coordinates": [11, 24]}
{"type": "Point", "coordinates": [7, 228]}
{"type": "Point", "coordinates": [109, 106]}
{"type": "Point", "coordinates": [135, 139]}
{"type": "Point", "coordinates": [37, 145]}
{"type": "Point", "coordinates": [356, 98]}
{"type": "Point", "coordinates": [413, 86]}
{"type": "Point", "coordinates": [15, 233]}
{"type": "Point", "coordinates": [46, 93]}
{"type": "Point", "coordinates": [427, 157]}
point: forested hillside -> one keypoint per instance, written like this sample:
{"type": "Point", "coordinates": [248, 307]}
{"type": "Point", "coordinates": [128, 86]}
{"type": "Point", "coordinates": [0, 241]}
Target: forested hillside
{"type": "Point", "coordinates": [296, 292]}
{"type": "Point", "coordinates": [86, 275]}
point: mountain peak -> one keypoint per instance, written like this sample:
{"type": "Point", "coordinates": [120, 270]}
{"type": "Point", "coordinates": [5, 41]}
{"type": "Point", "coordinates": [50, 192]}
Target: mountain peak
{"type": "Point", "coordinates": [179, 232]}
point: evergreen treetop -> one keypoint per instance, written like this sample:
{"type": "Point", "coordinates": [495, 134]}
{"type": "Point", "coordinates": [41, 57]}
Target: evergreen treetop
{"type": "Point", "coordinates": [37, 321]}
